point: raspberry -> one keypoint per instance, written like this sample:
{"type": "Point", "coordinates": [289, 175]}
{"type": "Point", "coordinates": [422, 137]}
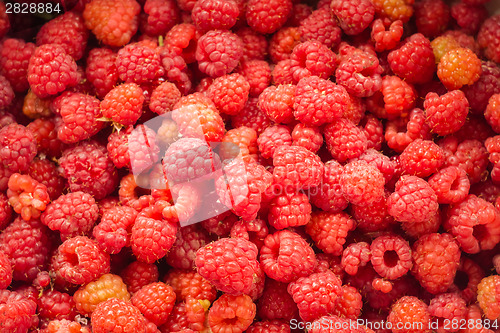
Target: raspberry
{"type": "Point", "coordinates": [359, 73]}
{"type": "Point", "coordinates": [448, 306]}
{"type": "Point", "coordinates": [79, 260]}
{"type": "Point", "coordinates": [215, 14]}
{"type": "Point", "coordinates": [258, 75]}
{"type": "Point", "coordinates": [374, 131]}
{"type": "Point", "coordinates": [123, 104]}
{"type": "Point", "coordinates": [315, 295]}
{"type": "Point", "coordinates": [277, 102]}
{"type": "Point", "coordinates": [5, 270]}
{"type": "Point", "coordinates": [283, 42]}
{"type": "Point", "coordinates": [63, 70]}
{"type": "Point", "coordinates": [88, 296]}
{"type": "Point", "coordinates": [362, 183]}
{"type": "Point", "coordinates": [469, 17]}
{"type": "Point", "coordinates": [27, 197]}
{"type": "Point", "coordinates": [391, 256]}
{"type": "Point", "coordinates": [27, 244]}
{"type": "Point", "coordinates": [373, 217]}
{"type": "Point", "coordinates": [286, 256]}
{"type": "Point", "coordinates": [446, 114]}
{"type": "Point", "coordinates": [34, 107]}
{"type": "Point", "coordinates": [464, 40]}
{"type": "Point", "coordinates": [414, 60]}
{"type": "Point", "coordinates": [487, 296]}
{"type": "Point", "coordinates": [66, 30]}
{"type": "Point", "coordinates": [493, 147]}
{"type": "Point", "coordinates": [16, 311]}
{"type": "Point", "coordinates": [271, 326]}
{"type": "Point", "coordinates": [45, 134]}
{"type": "Point", "coordinates": [353, 16]}
{"type": "Point", "coordinates": [319, 101]}
{"type": "Point", "coordinates": [112, 22]}
{"type": "Point", "coordinates": [276, 303]}
{"type": "Point", "coordinates": [5, 211]}
{"type": "Point", "coordinates": [138, 63]}
{"type": "Point", "coordinates": [128, 196]}
{"type": "Point", "coordinates": [431, 17]}
{"type": "Point", "coordinates": [459, 67]}
{"type": "Point", "coordinates": [413, 200]}
{"type": "Point", "coordinates": [190, 284]}
{"type": "Point", "coordinates": [473, 222]}
{"type": "Point", "coordinates": [55, 305]}
{"type": "Point", "coordinates": [409, 311]}
{"type": "Point", "coordinates": [414, 127]}
{"type": "Point", "coordinates": [65, 325]}
{"type": "Point", "coordinates": [355, 255]}
{"type": "Point", "coordinates": [394, 9]}
{"type": "Point", "coordinates": [188, 240]}
{"type": "Point", "coordinates": [231, 314]}
{"type": "Point", "coordinates": [282, 72]}
{"type": "Point", "coordinates": [421, 158]}
{"type": "Point", "coordinates": [254, 231]}
{"type": "Point", "coordinates": [344, 140]}
{"type": "Point", "coordinates": [151, 237]}
{"type": "Point", "coordinates": [289, 209]}
{"type": "Point", "coordinates": [272, 138]}
{"type": "Point", "coordinates": [218, 52]}
{"type": "Point", "coordinates": [14, 59]}
{"type": "Point", "coordinates": [17, 147]}
{"type": "Point", "coordinates": [181, 40]}
{"type": "Point", "coordinates": [232, 273]}
{"type": "Point", "coordinates": [329, 230]}
{"type": "Point", "coordinates": [6, 119]}
{"type": "Point", "coordinates": [221, 224]}
{"type": "Point", "coordinates": [118, 149]}
{"type": "Point", "coordinates": [468, 276]}
{"type": "Point", "coordinates": [349, 303]}
{"type": "Point", "coordinates": [442, 44]}
{"type": "Point", "coordinates": [229, 93]}
{"type": "Point", "coordinates": [492, 112]}
{"type": "Point", "coordinates": [320, 26]}
{"type": "Point", "coordinates": [164, 97]}
{"type": "Point", "coordinates": [112, 231]}
{"type": "Point", "coordinates": [450, 184]}
{"type": "Point", "coordinates": [312, 58]}
{"type": "Point", "coordinates": [386, 39]}
{"type": "Point", "coordinates": [267, 16]}
{"type": "Point", "coordinates": [6, 93]}
{"type": "Point", "coordinates": [138, 274]}
{"type": "Point", "coordinates": [159, 17]}
{"type": "Point", "coordinates": [176, 70]}
{"type": "Point", "coordinates": [88, 168]}
{"type": "Point", "coordinates": [101, 70]}
{"type": "Point", "coordinates": [155, 301]}
{"type": "Point", "coordinates": [488, 38]}
{"type": "Point", "coordinates": [109, 316]}
{"type": "Point", "coordinates": [436, 258]}
{"type": "Point", "coordinates": [307, 137]}
{"type": "Point", "coordinates": [254, 44]}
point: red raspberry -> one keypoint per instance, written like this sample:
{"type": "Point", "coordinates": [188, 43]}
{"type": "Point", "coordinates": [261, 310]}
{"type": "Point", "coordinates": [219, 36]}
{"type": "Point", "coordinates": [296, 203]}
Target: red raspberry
{"type": "Point", "coordinates": [159, 17]}
{"type": "Point", "coordinates": [344, 140]}
{"type": "Point", "coordinates": [409, 314]}
{"type": "Point", "coordinates": [46, 173]}
{"type": "Point", "coordinates": [66, 30]}
{"type": "Point", "coordinates": [447, 113]}
{"type": "Point", "coordinates": [254, 231]}
{"type": "Point", "coordinates": [315, 295]}
{"type": "Point", "coordinates": [391, 256]}
{"type": "Point", "coordinates": [155, 301]}
{"type": "Point", "coordinates": [16, 311]}
{"type": "Point", "coordinates": [190, 284]}
{"type": "Point", "coordinates": [27, 244]}
{"type": "Point", "coordinates": [414, 127]}
{"type": "Point", "coordinates": [282, 72]}
{"type": "Point", "coordinates": [431, 17]}
{"type": "Point", "coordinates": [272, 138]}
{"type": "Point", "coordinates": [307, 137]}
{"type": "Point", "coordinates": [442, 44]}
{"type": "Point", "coordinates": [112, 232]}
{"type": "Point", "coordinates": [289, 209]}
{"type": "Point", "coordinates": [296, 167]}
{"type": "Point", "coordinates": [27, 197]}
{"type": "Point", "coordinates": [448, 306]}
{"type": "Point", "coordinates": [188, 240]}
{"type": "Point", "coordinates": [101, 70]}
{"type": "Point", "coordinates": [181, 41]}
{"type": "Point", "coordinates": [360, 73]}
{"type": "Point", "coordinates": [123, 104]}
{"type": "Point", "coordinates": [276, 303]}
{"type": "Point", "coordinates": [108, 317]}
{"type": "Point", "coordinates": [459, 67]}
{"type": "Point", "coordinates": [414, 60]}
{"type": "Point", "coordinates": [421, 158]}
{"type": "Point", "coordinates": [79, 260]}
{"type": "Point", "coordinates": [138, 63]}
{"type": "Point", "coordinates": [435, 261]}
{"type": "Point", "coordinates": [468, 276]}
{"type": "Point", "coordinates": [88, 296]}
{"type": "Point", "coordinates": [14, 59]}
{"type": "Point", "coordinates": [232, 273]}
{"type": "Point", "coordinates": [44, 131]}
{"type": "Point", "coordinates": [286, 256]}
{"type": "Point", "coordinates": [353, 16]}
{"type": "Point", "coordinates": [63, 70]}
{"type": "Point", "coordinates": [469, 17]}
{"type": "Point", "coordinates": [128, 196]}
{"type": "Point", "coordinates": [112, 22]}
{"type": "Point", "coordinates": [231, 314]}
{"type": "Point", "coordinates": [469, 155]}
{"type": "Point", "coordinates": [5, 270]}
{"type": "Point", "coordinates": [215, 14]}
{"type": "Point", "coordinates": [328, 196]}
{"type": "Point", "coordinates": [383, 163]}
{"type": "Point", "coordinates": [312, 58]}
{"type": "Point", "coordinates": [319, 101]}
{"type": "Point", "coordinates": [450, 184]}
{"type": "Point", "coordinates": [5, 211]}
{"type": "Point", "coordinates": [355, 255]}
{"type": "Point", "coordinates": [349, 303]}
{"type": "Point", "coordinates": [271, 326]}
{"type": "Point", "coordinates": [55, 305]}
{"type": "Point", "coordinates": [6, 93]}
{"type": "Point", "coordinates": [320, 25]}
{"type": "Point", "coordinates": [475, 314]}
{"type": "Point", "coordinates": [418, 229]}
{"type": "Point", "coordinates": [492, 112]}
{"type": "Point", "coordinates": [386, 39]}
{"type": "Point", "coordinates": [267, 16]}
{"type": "Point", "coordinates": [88, 168]}
{"type": "Point", "coordinates": [413, 200]}
{"type": "Point", "coordinates": [221, 224]}
{"type": "Point", "coordinates": [394, 9]}
{"type": "Point", "coordinates": [283, 42]}
{"type": "Point", "coordinates": [362, 183]}
{"type": "Point", "coordinates": [229, 93]}
{"type": "Point", "coordinates": [399, 96]}
{"type": "Point", "coordinates": [277, 102]}
{"type": "Point", "coordinates": [258, 75]}
{"type": "Point", "coordinates": [33, 106]}
{"type": "Point", "coordinates": [6, 119]}
{"type": "Point", "coordinates": [487, 296]}
{"type": "Point", "coordinates": [374, 131]}
{"type": "Point", "coordinates": [151, 237]}
{"type": "Point", "coordinates": [218, 52]}
{"type": "Point", "coordinates": [488, 38]}
{"type": "Point", "coordinates": [176, 70]}
{"type": "Point", "coordinates": [493, 147]}
{"type": "Point", "coordinates": [474, 223]}
{"type": "Point", "coordinates": [138, 274]}
{"type": "Point", "coordinates": [118, 149]}
{"type": "Point", "coordinates": [80, 117]}
{"type": "Point", "coordinates": [17, 147]}
{"type": "Point", "coordinates": [164, 97]}
{"type": "Point", "coordinates": [464, 40]}
{"type": "Point", "coordinates": [373, 217]}
{"type": "Point", "coordinates": [251, 116]}
{"type": "Point", "coordinates": [329, 230]}
{"type": "Point", "coordinates": [254, 44]}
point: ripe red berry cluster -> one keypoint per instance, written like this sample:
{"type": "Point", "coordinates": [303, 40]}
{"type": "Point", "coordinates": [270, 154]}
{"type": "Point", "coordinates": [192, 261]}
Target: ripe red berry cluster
{"type": "Point", "coordinates": [250, 166]}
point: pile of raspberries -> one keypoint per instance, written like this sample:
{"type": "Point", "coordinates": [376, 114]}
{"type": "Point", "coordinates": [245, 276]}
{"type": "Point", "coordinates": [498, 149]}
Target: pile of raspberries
{"type": "Point", "coordinates": [259, 166]}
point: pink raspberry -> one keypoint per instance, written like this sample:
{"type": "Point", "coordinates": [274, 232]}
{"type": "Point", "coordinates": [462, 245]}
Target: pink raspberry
{"type": "Point", "coordinates": [277, 102]}
{"type": "Point", "coordinates": [312, 58]}
{"type": "Point", "coordinates": [330, 230]}
{"type": "Point", "coordinates": [272, 138]}
{"type": "Point", "coordinates": [354, 16]}
{"type": "Point", "coordinates": [450, 184]}
{"type": "Point", "coordinates": [362, 183]}
{"type": "Point", "coordinates": [289, 209]}
{"type": "Point", "coordinates": [218, 52]}
{"type": "Point", "coordinates": [320, 25]}
{"type": "Point", "coordinates": [421, 158]}
{"type": "Point", "coordinates": [360, 73]}
{"type": "Point", "coordinates": [113, 230]}
{"type": "Point", "coordinates": [328, 195]}
{"type": "Point", "coordinates": [355, 255]}
{"type": "Point", "coordinates": [17, 147]}
{"type": "Point", "coordinates": [391, 256]}
{"type": "Point", "coordinates": [344, 140]}
{"type": "Point", "coordinates": [229, 93]}
{"type": "Point", "coordinates": [267, 16]}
